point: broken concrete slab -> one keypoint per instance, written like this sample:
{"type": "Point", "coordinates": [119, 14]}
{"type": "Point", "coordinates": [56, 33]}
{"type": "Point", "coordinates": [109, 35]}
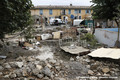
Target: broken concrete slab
{"type": "Point", "coordinates": [76, 50]}
{"type": "Point", "coordinates": [106, 53]}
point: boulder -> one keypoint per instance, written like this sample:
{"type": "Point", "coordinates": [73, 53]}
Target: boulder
{"type": "Point", "coordinates": [13, 75]}
{"type": "Point", "coordinates": [90, 72]}
{"type": "Point", "coordinates": [40, 76]}
{"type": "Point", "coordinates": [7, 66]}
{"type": "Point", "coordinates": [1, 68]}
{"type": "Point", "coordinates": [39, 67]}
{"type": "Point", "coordinates": [47, 71]}
{"type": "Point", "coordinates": [19, 64]}
{"type": "Point", "coordinates": [106, 70]}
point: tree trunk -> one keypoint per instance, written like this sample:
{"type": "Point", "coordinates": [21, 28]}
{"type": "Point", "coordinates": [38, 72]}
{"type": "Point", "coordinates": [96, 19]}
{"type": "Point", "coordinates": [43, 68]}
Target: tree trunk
{"type": "Point", "coordinates": [117, 43]}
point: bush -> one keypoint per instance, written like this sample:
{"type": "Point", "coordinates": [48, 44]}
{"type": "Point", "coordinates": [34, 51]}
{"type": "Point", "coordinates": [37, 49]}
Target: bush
{"type": "Point", "coordinates": [90, 40]}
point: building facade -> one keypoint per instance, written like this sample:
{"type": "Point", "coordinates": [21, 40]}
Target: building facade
{"type": "Point", "coordinates": [62, 12]}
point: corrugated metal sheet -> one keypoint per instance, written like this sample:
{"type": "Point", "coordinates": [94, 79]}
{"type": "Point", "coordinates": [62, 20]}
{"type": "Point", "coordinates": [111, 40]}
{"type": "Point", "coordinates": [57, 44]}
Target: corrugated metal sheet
{"type": "Point", "coordinates": [106, 53]}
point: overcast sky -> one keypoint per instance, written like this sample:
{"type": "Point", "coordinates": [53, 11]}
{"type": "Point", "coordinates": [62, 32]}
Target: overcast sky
{"type": "Point", "coordinates": [62, 2]}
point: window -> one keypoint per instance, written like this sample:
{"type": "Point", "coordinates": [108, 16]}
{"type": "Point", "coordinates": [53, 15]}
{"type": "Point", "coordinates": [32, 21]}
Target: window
{"type": "Point", "coordinates": [79, 17]}
{"type": "Point", "coordinates": [76, 17]}
{"type": "Point", "coordinates": [88, 11]}
{"type": "Point", "coordinates": [63, 12]}
{"type": "Point", "coordinates": [50, 11]}
{"type": "Point", "coordinates": [76, 11]}
{"type": "Point", "coordinates": [69, 11]}
{"type": "Point", "coordinates": [41, 12]}
{"type": "Point", "coordinates": [79, 11]}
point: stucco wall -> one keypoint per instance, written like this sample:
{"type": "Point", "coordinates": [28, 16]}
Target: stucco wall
{"type": "Point", "coordinates": [106, 37]}
{"type": "Point", "coordinates": [57, 12]}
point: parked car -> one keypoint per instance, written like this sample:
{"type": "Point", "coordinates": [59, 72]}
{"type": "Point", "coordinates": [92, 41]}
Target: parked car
{"type": "Point", "coordinates": [77, 22]}
{"type": "Point", "coordinates": [56, 21]}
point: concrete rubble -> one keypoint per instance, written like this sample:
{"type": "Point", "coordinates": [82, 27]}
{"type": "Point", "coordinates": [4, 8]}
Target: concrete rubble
{"type": "Point", "coordinates": [56, 69]}
{"type": "Point", "coordinates": [48, 62]}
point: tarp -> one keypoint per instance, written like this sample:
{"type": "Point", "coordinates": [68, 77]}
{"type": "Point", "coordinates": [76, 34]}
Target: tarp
{"type": "Point", "coordinates": [106, 53]}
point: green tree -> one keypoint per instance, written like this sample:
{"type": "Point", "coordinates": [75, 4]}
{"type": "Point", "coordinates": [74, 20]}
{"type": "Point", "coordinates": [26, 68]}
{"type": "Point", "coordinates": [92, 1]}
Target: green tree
{"type": "Point", "coordinates": [14, 15]}
{"type": "Point", "coordinates": [107, 9]}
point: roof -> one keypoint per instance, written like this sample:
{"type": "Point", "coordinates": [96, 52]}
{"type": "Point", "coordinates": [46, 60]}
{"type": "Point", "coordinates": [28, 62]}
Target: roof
{"type": "Point", "coordinates": [60, 7]}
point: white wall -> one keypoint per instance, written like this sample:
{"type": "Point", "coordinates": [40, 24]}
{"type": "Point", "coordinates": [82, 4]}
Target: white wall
{"type": "Point", "coordinates": [106, 37]}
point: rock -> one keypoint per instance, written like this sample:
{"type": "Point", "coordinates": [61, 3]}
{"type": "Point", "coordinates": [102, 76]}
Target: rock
{"type": "Point", "coordinates": [7, 66]}
{"type": "Point", "coordinates": [48, 65]}
{"type": "Point", "coordinates": [77, 57]}
{"type": "Point", "coordinates": [1, 73]}
{"type": "Point", "coordinates": [88, 66]}
{"type": "Point", "coordinates": [36, 62]}
{"type": "Point", "coordinates": [62, 79]}
{"type": "Point", "coordinates": [31, 65]}
{"type": "Point", "coordinates": [52, 61]}
{"type": "Point", "coordinates": [57, 67]}
{"type": "Point", "coordinates": [57, 64]}
{"type": "Point", "coordinates": [13, 64]}
{"type": "Point", "coordinates": [30, 59]}
{"type": "Point", "coordinates": [106, 70]}
{"type": "Point", "coordinates": [61, 61]}
{"type": "Point", "coordinates": [18, 72]}
{"type": "Point", "coordinates": [19, 64]}
{"type": "Point", "coordinates": [106, 74]}
{"type": "Point", "coordinates": [35, 72]}
{"type": "Point", "coordinates": [28, 69]}
{"type": "Point", "coordinates": [47, 71]}
{"type": "Point", "coordinates": [1, 68]}
{"type": "Point", "coordinates": [13, 75]}
{"type": "Point", "coordinates": [46, 78]}
{"type": "Point", "coordinates": [90, 72]}
{"type": "Point", "coordinates": [40, 76]}
{"type": "Point", "coordinates": [98, 74]}
{"type": "Point", "coordinates": [39, 67]}
{"type": "Point", "coordinates": [6, 76]}
{"type": "Point", "coordinates": [24, 73]}
{"type": "Point", "coordinates": [71, 59]}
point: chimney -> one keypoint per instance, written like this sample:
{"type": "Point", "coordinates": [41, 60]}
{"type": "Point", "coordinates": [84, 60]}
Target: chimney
{"type": "Point", "coordinates": [70, 4]}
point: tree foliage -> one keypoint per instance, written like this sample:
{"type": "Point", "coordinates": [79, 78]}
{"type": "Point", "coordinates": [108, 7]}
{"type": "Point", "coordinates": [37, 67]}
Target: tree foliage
{"type": "Point", "coordinates": [108, 9]}
{"type": "Point", "coordinates": [105, 9]}
{"type": "Point", "coordinates": [14, 15]}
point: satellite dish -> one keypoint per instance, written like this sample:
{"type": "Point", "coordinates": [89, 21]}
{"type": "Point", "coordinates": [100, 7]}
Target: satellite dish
{"type": "Point", "coordinates": [72, 16]}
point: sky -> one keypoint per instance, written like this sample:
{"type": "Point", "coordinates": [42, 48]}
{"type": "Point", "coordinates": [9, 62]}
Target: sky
{"type": "Point", "coordinates": [62, 2]}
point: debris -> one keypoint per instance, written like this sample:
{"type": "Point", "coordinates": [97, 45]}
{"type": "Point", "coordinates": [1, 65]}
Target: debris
{"type": "Point", "coordinates": [39, 67]}
{"type": "Point", "coordinates": [90, 72]}
{"type": "Point", "coordinates": [56, 35]}
{"type": "Point", "coordinates": [47, 71]}
{"type": "Point", "coordinates": [13, 75]}
{"type": "Point", "coordinates": [38, 38]}
{"type": "Point", "coordinates": [3, 57]}
{"type": "Point", "coordinates": [40, 76]}
{"type": "Point", "coordinates": [26, 44]}
{"type": "Point", "coordinates": [7, 66]}
{"type": "Point", "coordinates": [106, 70]}
{"type": "Point", "coordinates": [106, 53]}
{"type": "Point", "coordinates": [1, 68]}
{"type": "Point", "coordinates": [71, 59]}
{"type": "Point", "coordinates": [19, 64]}
{"type": "Point", "coordinates": [46, 36]}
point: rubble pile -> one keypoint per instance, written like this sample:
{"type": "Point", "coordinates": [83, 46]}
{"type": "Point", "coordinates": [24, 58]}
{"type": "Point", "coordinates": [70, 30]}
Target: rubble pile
{"type": "Point", "coordinates": [32, 68]}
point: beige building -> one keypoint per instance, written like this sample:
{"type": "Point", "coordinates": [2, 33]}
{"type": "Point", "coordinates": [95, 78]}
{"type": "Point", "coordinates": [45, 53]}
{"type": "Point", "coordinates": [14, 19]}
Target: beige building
{"type": "Point", "coordinates": [63, 12]}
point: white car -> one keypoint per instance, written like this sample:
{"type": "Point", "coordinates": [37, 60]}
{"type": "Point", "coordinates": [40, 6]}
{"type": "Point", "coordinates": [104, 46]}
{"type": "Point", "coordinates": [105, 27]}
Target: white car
{"type": "Point", "coordinates": [77, 22]}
